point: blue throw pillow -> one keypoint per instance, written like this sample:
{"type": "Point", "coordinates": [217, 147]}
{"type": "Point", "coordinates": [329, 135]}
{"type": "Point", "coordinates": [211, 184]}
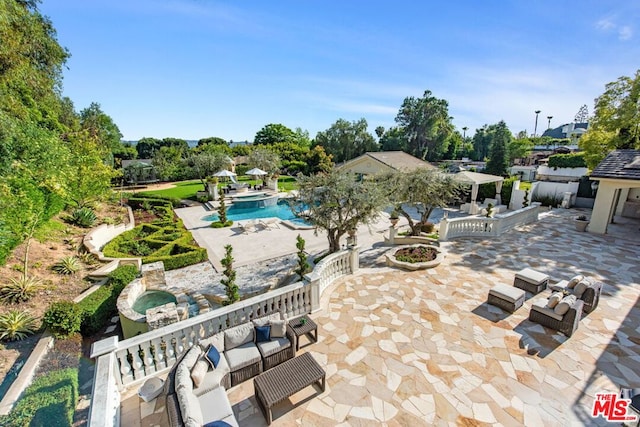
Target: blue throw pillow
{"type": "Point", "coordinates": [263, 333]}
{"type": "Point", "coordinates": [217, 424]}
{"type": "Point", "coordinates": [213, 356]}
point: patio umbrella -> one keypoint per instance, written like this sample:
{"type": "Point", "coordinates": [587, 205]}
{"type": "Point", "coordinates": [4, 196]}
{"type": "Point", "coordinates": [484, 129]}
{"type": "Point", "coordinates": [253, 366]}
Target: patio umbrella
{"type": "Point", "coordinates": [225, 173]}
{"type": "Point", "coordinates": [255, 172]}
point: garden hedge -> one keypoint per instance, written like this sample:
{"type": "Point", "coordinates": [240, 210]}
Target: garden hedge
{"type": "Point", "coordinates": [99, 306]}
{"type": "Point", "coordinates": [168, 242]}
{"type": "Point", "coordinates": [49, 401]}
{"type": "Point", "coordinates": [153, 200]}
{"type": "Point", "coordinates": [573, 160]}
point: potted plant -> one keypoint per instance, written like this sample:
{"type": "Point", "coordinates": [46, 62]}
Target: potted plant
{"type": "Point", "coordinates": [394, 217]}
{"type": "Point", "coordinates": [581, 223]}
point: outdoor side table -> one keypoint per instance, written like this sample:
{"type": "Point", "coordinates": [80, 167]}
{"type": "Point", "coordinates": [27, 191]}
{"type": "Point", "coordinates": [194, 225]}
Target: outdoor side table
{"type": "Point", "coordinates": [308, 328]}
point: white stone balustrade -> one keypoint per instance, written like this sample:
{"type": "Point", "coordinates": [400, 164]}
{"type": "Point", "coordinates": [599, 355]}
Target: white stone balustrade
{"type": "Point", "coordinates": [451, 228]}
{"type": "Point", "coordinates": [130, 362]}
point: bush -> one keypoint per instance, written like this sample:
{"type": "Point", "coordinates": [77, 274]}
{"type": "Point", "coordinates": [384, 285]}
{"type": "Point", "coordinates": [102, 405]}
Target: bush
{"type": "Point", "coordinates": [49, 401]}
{"type": "Point", "coordinates": [83, 217]}
{"type": "Point", "coordinates": [572, 160]}
{"type": "Point", "coordinates": [67, 265]}
{"type": "Point", "coordinates": [63, 318]}
{"type": "Point", "coordinates": [19, 290]}
{"type": "Point", "coordinates": [218, 224]}
{"type": "Point", "coordinates": [153, 199]}
{"type": "Point", "coordinates": [98, 307]}
{"type": "Point", "coordinates": [16, 325]}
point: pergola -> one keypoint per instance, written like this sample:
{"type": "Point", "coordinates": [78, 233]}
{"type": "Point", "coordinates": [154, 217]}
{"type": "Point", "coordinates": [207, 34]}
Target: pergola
{"type": "Point", "coordinates": [475, 179]}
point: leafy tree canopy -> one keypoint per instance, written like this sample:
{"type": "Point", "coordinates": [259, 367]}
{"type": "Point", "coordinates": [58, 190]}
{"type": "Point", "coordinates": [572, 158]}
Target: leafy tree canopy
{"type": "Point", "coordinates": [274, 132]}
{"type": "Point", "coordinates": [346, 140]}
{"type": "Point", "coordinates": [212, 140]}
{"type": "Point", "coordinates": [498, 157]}
{"type": "Point", "coordinates": [426, 124]}
{"type": "Point", "coordinates": [265, 159]}
{"type": "Point", "coordinates": [616, 121]}
{"type": "Point", "coordinates": [100, 127]}
{"type": "Point", "coordinates": [337, 202]}
{"type": "Point", "coordinates": [394, 139]}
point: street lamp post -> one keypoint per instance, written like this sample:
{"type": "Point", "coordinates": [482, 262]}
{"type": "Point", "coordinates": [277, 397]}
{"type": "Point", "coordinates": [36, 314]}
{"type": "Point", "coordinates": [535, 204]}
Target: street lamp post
{"type": "Point", "coordinates": [535, 127]}
{"type": "Point", "coordinates": [549, 122]}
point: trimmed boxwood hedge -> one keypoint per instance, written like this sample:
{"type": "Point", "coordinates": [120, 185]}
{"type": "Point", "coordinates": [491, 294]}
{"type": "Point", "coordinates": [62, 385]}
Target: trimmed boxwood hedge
{"type": "Point", "coordinates": [98, 307]}
{"type": "Point", "coordinates": [49, 401]}
{"type": "Point", "coordinates": [573, 160]}
{"type": "Point", "coordinates": [169, 242]}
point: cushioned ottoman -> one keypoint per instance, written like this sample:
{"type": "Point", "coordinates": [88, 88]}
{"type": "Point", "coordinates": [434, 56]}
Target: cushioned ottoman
{"type": "Point", "coordinates": [531, 280]}
{"type": "Point", "coordinates": [506, 297]}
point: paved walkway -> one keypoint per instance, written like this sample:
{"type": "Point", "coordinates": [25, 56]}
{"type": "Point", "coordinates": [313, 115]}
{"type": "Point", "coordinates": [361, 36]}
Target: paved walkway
{"type": "Point", "coordinates": [424, 348]}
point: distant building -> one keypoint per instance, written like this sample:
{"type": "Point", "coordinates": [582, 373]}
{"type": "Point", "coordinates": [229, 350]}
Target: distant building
{"type": "Point", "coordinates": [571, 131]}
{"type": "Point", "coordinates": [373, 163]}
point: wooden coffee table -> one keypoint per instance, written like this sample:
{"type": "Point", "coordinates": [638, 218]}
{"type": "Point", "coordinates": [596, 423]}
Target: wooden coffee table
{"type": "Point", "coordinates": [282, 381]}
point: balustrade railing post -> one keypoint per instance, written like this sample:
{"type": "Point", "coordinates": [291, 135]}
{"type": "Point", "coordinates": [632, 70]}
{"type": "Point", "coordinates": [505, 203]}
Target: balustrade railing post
{"type": "Point", "coordinates": [354, 255]}
{"type": "Point", "coordinates": [444, 229]}
{"type": "Point", "coordinates": [313, 281]}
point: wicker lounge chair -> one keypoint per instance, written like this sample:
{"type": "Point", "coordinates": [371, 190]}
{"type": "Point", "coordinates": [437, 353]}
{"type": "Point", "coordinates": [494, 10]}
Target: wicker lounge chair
{"type": "Point", "coordinates": [590, 296]}
{"type": "Point", "coordinates": [567, 323]}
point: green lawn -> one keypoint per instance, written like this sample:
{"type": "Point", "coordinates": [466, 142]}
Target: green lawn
{"type": "Point", "coordinates": [182, 190]}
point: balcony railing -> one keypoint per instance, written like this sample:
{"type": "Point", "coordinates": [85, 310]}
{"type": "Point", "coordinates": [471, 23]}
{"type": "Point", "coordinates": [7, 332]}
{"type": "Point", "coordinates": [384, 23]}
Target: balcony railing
{"type": "Point", "coordinates": [121, 364]}
{"type": "Point", "coordinates": [487, 227]}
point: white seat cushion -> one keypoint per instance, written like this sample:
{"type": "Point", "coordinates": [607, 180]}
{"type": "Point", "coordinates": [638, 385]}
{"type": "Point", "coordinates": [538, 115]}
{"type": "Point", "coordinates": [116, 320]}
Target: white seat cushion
{"type": "Point", "coordinates": [540, 305]}
{"type": "Point", "coordinates": [238, 335]}
{"type": "Point", "coordinates": [560, 286]}
{"type": "Point", "coordinates": [217, 340]}
{"type": "Point", "coordinates": [213, 378]}
{"type": "Point", "coordinates": [267, 348]}
{"type": "Point", "coordinates": [215, 405]}
{"type": "Point", "coordinates": [531, 276]}
{"type": "Point", "coordinates": [242, 356]}
{"type": "Point", "coordinates": [189, 407]}
{"type": "Point", "coordinates": [507, 293]}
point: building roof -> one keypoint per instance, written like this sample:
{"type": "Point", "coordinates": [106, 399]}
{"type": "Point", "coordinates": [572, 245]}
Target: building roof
{"type": "Point", "coordinates": [560, 131]}
{"type": "Point", "coordinates": [398, 160]}
{"type": "Point", "coordinates": [619, 164]}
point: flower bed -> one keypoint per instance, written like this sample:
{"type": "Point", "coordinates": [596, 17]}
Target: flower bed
{"type": "Point", "coordinates": [414, 257]}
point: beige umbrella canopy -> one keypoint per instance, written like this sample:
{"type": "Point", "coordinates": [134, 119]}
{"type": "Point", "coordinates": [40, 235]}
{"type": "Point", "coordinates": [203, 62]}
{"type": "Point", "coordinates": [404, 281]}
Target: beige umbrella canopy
{"type": "Point", "coordinates": [475, 179]}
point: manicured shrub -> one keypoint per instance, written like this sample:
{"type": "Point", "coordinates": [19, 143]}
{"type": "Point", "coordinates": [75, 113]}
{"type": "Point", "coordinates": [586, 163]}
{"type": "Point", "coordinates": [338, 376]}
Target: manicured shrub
{"type": "Point", "coordinates": [67, 265]}
{"type": "Point", "coordinates": [63, 318]}
{"type": "Point", "coordinates": [572, 160]}
{"type": "Point", "coordinates": [303, 266]}
{"type": "Point", "coordinates": [98, 307]}
{"type": "Point", "coordinates": [49, 401]}
{"type": "Point", "coordinates": [16, 325]}
{"type": "Point", "coordinates": [83, 217]}
{"type": "Point", "coordinates": [136, 201]}
{"type": "Point", "coordinates": [218, 224]}
{"type": "Point", "coordinates": [19, 290]}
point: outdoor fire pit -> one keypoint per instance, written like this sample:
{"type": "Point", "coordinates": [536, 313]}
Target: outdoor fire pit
{"type": "Point", "coordinates": [414, 257]}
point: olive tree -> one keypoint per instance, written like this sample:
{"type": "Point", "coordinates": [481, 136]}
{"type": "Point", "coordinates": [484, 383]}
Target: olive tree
{"type": "Point", "coordinates": [424, 189]}
{"type": "Point", "coordinates": [337, 203]}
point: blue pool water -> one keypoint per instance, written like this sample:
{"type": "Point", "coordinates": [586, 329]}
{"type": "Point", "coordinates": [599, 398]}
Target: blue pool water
{"type": "Point", "coordinates": [242, 213]}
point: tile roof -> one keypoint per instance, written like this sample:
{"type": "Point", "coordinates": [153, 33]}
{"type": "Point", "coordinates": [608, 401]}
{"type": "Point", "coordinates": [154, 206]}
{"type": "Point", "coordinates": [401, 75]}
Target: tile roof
{"type": "Point", "coordinates": [619, 164]}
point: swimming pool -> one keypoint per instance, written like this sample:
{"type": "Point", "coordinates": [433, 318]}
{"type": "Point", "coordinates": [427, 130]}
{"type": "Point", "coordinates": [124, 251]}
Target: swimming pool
{"type": "Point", "coordinates": [242, 213]}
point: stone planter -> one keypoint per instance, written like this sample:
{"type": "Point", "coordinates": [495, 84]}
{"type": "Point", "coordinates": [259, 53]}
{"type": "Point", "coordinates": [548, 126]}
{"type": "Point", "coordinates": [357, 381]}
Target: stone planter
{"type": "Point", "coordinates": [393, 262]}
{"type": "Point", "coordinates": [581, 225]}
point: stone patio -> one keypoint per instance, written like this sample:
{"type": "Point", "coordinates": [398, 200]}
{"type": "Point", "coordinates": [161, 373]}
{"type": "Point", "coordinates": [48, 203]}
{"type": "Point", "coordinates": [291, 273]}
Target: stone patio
{"type": "Point", "coordinates": [424, 348]}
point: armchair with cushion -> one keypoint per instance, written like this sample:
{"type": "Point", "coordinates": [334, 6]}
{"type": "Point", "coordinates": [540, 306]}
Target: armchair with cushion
{"type": "Point", "coordinates": [585, 288]}
{"type": "Point", "coordinates": [561, 314]}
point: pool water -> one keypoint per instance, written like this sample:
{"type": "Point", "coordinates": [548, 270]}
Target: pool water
{"type": "Point", "coordinates": [239, 213]}
{"type": "Point", "coordinates": [151, 299]}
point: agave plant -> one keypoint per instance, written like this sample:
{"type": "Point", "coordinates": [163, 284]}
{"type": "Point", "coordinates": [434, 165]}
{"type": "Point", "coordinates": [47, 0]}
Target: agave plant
{"type": "Point", "coordinates": [83, 217]}
{"type": "Point", "coordinates": [19, 290]}
{"type": "Point", "coordinates": [67, 265]}
{"type": "Point", "coordinates": [87, 258]}
{"type": "Point", "coordinates": [16, 325]}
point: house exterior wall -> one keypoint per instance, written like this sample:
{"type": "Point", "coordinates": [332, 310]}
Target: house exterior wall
{"type": "Point", "coordinates": [605, 198]}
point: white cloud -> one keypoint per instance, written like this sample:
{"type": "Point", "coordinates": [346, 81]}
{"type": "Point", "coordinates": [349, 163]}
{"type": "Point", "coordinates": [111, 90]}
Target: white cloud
{"type": "Point", "coordinates": [605, 24]}
{"type": "Point", "coordinates": [625, 32]}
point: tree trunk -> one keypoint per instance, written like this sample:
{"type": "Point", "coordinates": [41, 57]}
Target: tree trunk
{"type": "Point", "coordinates": [334, 240]}
{"type": "Point", "coordinates": [26, 258]}
{"type": "Point", "coordinates": [414, 230]}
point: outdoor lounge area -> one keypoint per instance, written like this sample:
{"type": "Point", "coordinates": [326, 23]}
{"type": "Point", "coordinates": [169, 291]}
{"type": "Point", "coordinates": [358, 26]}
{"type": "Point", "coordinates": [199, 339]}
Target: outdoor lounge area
{"type": "Point", "coordinates": [425, 348]}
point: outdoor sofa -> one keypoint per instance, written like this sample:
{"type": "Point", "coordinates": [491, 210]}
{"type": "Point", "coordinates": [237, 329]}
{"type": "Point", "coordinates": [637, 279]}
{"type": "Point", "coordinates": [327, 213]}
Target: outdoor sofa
{"type": "Point", "coordinates": [559, 312]}
{"type": "Point", "coordinates": [585, 288]}
{"type": "Point", "coordinates": [196, 391]}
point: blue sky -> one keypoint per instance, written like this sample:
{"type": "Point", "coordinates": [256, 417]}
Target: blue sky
{"type": "Point", "coordinates": [198, 68]}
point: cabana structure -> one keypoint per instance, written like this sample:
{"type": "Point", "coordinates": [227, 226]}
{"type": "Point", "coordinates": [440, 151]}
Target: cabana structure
{"type": "Point", "coordinates": [475, 179]}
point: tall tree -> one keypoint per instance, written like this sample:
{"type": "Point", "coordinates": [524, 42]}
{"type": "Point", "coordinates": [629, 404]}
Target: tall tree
{"type": "Point", "coordinates": [423, 189]}
{"type": "Point", "coordinates": [205, 165]}
{"type": "Point", "coordinates": [265, 159]}
{"type": "Point", "coordinates": [379, 131]}
{"type": "Point", "coordinates": [582, 115]}
{"type": "Point", "coordinates": [318, 161]}
{"type": "Point", "coordinates": [426, 124]}
{"type": "Point", "coordinates": [346, 140]}
{"type": "Point", "coordinates": [336, 203]}
{"type": "Point", "coordinates": [394, 139]}
{"type": "Point", "coordinates": [212, 140]}
{"type": "Point", "coordinates": [146, 147]}
{"type": "Point", "coordinates": [274, 132]}
{"type": "Point", "coordinates": [481, 143]}
{"type": "Point", "coordinates": [101, 128]}
{"type": "Point", "coordinates": [498, 158]}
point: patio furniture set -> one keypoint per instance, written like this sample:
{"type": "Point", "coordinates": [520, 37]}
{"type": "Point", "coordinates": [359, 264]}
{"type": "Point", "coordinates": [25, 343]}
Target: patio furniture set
{"type": "Point", "coordinates": [263, 348]}
{"type": "Point", "coordinates": [562, 310]}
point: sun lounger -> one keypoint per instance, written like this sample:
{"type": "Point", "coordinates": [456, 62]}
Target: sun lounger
{"type": "Point", "coordinates": [270, 223]}
{"type": "Point", "coordinates": [248, 226]}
